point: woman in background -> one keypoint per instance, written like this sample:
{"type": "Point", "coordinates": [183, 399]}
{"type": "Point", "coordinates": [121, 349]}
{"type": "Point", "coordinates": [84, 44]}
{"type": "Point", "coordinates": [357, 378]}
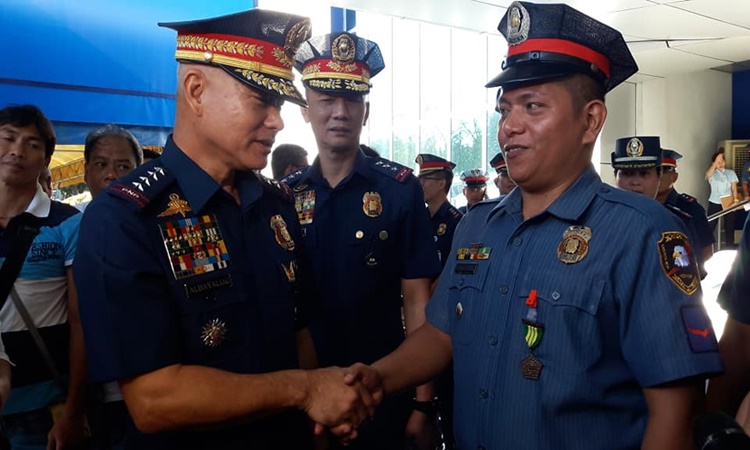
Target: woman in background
{"type": "Point", "coordinates": [723, 182]}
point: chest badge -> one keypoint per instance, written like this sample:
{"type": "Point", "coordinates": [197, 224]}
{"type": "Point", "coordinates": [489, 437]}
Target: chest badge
{"type": "Point", "coordinates": [574, 245]}
{"type": "Point", "coordinates": [194, 245]}
{"type": "Point", "coordinates": [214, 333]}
{"type": "Point", "coordinates": [304, 203]}
{"type": "Point", "coordinates": [176, 205]}
{"type": "Point", "coordinates": [372, 204]}
{"type": "Point", "coordinates": [442, 228]}
{"type": "Point", "coordinates": [280, 231]}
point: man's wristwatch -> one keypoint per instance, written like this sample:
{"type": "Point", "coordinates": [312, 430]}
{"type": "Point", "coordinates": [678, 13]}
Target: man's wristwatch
{"type": "Point", "coordinates": [427, 407]}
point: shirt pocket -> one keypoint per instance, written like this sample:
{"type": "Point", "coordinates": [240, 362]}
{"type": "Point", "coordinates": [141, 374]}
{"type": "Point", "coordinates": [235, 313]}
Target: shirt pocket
{"type": "Point", "coordinates": [569, 313]}
{"type": "Point", "coordinates": [467, 300]}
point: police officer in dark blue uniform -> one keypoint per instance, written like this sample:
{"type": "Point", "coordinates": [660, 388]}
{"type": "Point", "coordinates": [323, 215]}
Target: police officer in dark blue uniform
{"type": "Point", "coordinates": [685, 206]}
{"type": "Point", "coordinates": [366, 228]}
{"type": "Point", "coordinates": [503, 181]}
{"type": "Point", "coordinates": [475, 188]}
{"type": "Point", "coordinates": [193, 285]}
{"type": "Point", "coordinates": [727, 392]}
{"type": "Point", "coordinates": [436, 176]}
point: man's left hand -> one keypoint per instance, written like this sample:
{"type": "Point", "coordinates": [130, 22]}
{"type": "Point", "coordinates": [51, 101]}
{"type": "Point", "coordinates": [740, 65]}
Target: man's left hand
{"type": "Point", "coordinates": [421, 431]}
{"type": "Point", "coordinates": [67, 433]}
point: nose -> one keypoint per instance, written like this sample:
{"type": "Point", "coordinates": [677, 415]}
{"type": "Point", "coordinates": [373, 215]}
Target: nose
{"type": "Point", "coordinates": [509, 125]}
{"type": "Point", "coordinates": [273, 119]}
{"type": "Point", "coordinates": [340, 109]}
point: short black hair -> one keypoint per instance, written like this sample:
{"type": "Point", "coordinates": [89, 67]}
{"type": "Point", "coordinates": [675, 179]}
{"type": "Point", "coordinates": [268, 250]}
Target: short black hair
{"type": "Point", "coordinates": [716, 154]}
{"type": "Point", "coordinates": [583, 89]}
{"type": "Point", "coordinates": [26, 115]}
{"type": "Point", "coordinates": [111, 130]}
{"type": "Point", "coordinates": [285, 155]}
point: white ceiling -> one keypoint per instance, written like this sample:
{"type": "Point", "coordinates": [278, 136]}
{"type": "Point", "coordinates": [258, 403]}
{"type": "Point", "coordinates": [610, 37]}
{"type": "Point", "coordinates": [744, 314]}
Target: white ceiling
{"type": "Point", "coordinates": [667, 37]}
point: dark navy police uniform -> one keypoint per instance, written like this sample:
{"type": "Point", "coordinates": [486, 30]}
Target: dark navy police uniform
{"type": "Point", "coordinates": [171, 261]}
{"type": "Point", "coordinates": [444, 224]}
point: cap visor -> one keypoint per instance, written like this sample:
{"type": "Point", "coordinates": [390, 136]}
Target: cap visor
{"type": "Point", "coordinates": [531, 73]}
{"type": "Point", "coordinates": [285, 89]}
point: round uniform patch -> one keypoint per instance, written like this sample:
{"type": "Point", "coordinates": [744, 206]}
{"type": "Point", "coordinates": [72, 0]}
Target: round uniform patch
{"type": "Point", "coordinates": [678, 261]}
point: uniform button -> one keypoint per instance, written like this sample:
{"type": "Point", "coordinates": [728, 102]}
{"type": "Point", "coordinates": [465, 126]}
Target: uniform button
{"type": "Point", "coordinates": [517, 241]}
{"type": "Point", "coordinates": [493, 340]}
{"type": "Point", "coordinates": [555, 296]}
{"type": "Point", "coordinates": [461, 282]}
{"type": "Point", "coordinates": [504, 289]}
{"type": "Point", "coordinates": [483, 393]}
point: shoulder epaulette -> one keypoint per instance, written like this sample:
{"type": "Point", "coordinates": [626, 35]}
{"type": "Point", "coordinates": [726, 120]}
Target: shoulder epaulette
{"type": "Point", "coordinates": [390, 168]}
{"type": "Point", "coordinates": [279, 189]}
{"type": "Point", "coordinates": [678, 211]}
{"type": "Point", "coordinates": [293, 177]}
{"type": "Point", "coordinates": [142, 185]}
{"type": "Point", "coordinates": [688, 197]}
{"type": "Point", "coordinates": [454, 212]}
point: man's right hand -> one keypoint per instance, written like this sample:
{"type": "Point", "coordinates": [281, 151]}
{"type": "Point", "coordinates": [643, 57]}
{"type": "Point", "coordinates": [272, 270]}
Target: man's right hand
{"type": "Point", "coordinates": [331, 402]}
{"type": "Point", "coordinates": [369, 377]}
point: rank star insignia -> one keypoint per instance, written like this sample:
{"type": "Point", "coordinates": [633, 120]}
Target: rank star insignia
{"type": "Point", "coordinates": [441, 229]}
{"type": "Point", "coordinates": [372, 204]}
{"type": "Point", "coordinates": [574, 245]}
{"type": "Point", "coordinates": [281, 233]}
{"type": "Point", "coordinates": [677, 260]}
{"type": "Point", "coordinates": [176, 205]}
{"type": "Point", "coordinates": [214, 333]}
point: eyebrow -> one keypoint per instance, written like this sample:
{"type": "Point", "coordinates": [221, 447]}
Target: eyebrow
{"type": "Point", "coordinates": [522, 97]}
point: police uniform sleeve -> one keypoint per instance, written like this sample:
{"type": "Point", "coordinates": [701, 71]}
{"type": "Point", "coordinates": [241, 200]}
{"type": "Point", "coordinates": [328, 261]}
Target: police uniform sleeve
{"type": "Point", "coordinates": [734, 296]}
{"type": "Point", "coordinates": [665, 334]}
{"type": "Point", "coordinates": [418, 250]}
{"type": "Point", "coordinates": [130, 326]}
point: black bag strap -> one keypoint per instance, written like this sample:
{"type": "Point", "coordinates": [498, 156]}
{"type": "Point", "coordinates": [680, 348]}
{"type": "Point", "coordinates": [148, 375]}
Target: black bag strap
{"type": "Point", "coordinates": [24, 236]}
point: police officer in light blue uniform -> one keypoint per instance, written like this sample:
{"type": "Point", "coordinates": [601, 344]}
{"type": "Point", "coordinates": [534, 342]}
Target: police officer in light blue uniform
{"type": "Point", "coordinates": [194, 288]}
{"type": "Point", "coordinates": [572, 308]}
{"type": "Point", "coordinates": [365, 225]}
{"type": "Point", "coordinates": [686, 207]}
{"type": "Point", "coordinates": [436, 176]}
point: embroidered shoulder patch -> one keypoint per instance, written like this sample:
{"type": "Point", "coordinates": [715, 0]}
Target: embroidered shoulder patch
{"type": "Point", "coordinates": [698, 329]}
{"type": "Point", "coordinates": [678, 261]}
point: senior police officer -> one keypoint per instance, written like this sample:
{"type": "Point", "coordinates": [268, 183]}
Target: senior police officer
{"type": "Point", "coordinates": [686, 207]}
{"type": "Point", "coordinates": [503, 181]}
{"type": "Point", "coordinates": [570, 308]}
{"type": "Point", "coordinates": [475, 188]}
{"type": "Point", "coordinates": [436, 177]}
{"type": "Point", "coordinates": [365, 226]}
{"type": "Point", "coordinates": [201, 332]}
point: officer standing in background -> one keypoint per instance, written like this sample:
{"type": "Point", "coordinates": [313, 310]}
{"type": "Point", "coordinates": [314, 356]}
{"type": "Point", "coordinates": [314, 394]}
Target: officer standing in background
{"type": "Point", "coordinates": [366, 228]}
{"type": "Point", "coordinates": [572, 314]}
{"type": "Point", "coordinates": [203, 335]}
{"type": "Point", "coordinates": [436, 177]}
{"type": "Point", "coordinates": [503, 181]}
{"type": "Point", "coordinates": [686, 207]}
{"type": "Point", "coordinates": [475, 188]}
{"type": "Point", "coordinates": [637, 164]}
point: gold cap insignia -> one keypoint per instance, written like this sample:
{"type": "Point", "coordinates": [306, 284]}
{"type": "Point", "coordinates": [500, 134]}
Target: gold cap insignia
{"type": "Point", "coordinates": [574, 245]}
{"type": "Point", "coordinates": [214, 333]}
{"type": "Point", "coordinates": [678, 261]}
{"type": "Point", "coordinates": [635, 148]}
{"type": "Point", "coordinates": [371, 204]}
{"type": "Point", "coordinates": [343, 49]}
{"type": "Point", "coordinates": [281, 233]}
{"type": "Point", "coordinates": [176, 205]}
{"type": "Point", "coordinates": [518, 24]}
{"type": "Point", "coordinates": [297, 34]}
{"type": "Point", "coordinates": [441, 229]}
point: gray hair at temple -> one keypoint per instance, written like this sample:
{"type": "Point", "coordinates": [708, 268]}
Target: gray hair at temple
{"type": "Point", "coordinates": [111, 130]}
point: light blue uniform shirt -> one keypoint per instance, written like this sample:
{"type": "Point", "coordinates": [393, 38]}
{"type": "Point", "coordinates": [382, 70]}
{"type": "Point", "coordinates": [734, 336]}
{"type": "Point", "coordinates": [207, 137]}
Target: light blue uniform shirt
{"type": "Point", "coordinates": [615, 320]}
{"type": "Point", "coordinates": [721, 184]}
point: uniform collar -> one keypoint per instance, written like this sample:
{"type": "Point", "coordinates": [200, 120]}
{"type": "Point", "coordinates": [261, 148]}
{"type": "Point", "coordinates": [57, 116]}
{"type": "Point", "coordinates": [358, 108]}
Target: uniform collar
{"type": "Point", "coordinates": [40, 204]}
{"type": "Point", "coordinates": [443, 210]}
{"type": "Point", "coordinates": [314, 175]}
{"type": "Point", "coordinates": [570, 206]}
{"type": "Point", "coordinates": [672, 197]}
{"type": "Point", "coordinates": [198, 186]}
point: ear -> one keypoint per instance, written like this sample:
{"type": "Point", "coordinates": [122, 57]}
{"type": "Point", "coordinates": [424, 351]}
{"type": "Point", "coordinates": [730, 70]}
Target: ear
{"type": "Point", "coordinates": [305, 113]}
{"type": "Point", "coordinates": [676, 176]}
{"type": "Point", "coordinates": [367, 113]}
{"type": "Point", "coordinates": [193, 85]}
{"type": "Point", "coordinates": [594, 113]}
